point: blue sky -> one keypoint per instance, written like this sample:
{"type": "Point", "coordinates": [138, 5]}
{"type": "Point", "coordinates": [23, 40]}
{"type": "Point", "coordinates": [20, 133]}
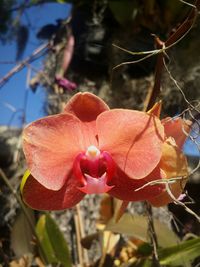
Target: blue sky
{"type": "Point", "coordinates": [192, 147]}
{"type": "Point", "coordinates": [13, 93]}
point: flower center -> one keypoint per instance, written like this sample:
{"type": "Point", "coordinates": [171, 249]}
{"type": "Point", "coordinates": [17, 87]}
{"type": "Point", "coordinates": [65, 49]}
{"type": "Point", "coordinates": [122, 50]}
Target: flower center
{"type": "Point", "coordinates": [92, 153]}
{"type": "Point", "coordinates": [94, 169]}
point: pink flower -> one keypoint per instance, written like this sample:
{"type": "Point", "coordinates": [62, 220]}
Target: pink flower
{"type": "Point", "coordinates": [90, 149]}
{"type": "Point", "coordinates": [65, 83]}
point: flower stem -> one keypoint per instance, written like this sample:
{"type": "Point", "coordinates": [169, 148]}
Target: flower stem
{"type": "Point", "coordinates": [152, 234]}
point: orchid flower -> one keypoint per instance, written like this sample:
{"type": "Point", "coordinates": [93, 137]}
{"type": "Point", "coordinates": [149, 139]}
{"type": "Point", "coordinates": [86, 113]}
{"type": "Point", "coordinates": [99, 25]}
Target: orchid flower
{"type": "Point", "coordinates": [90, 149]}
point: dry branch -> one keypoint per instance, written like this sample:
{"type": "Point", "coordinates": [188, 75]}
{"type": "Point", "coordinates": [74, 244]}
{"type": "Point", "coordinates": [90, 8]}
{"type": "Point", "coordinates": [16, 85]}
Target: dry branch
{"type": "Point", "coordinates": [37, 53]}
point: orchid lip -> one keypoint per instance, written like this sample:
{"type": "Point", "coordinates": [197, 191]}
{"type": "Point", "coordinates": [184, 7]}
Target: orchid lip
{"type": "Point", "coordinates": [94, 169]}
{"type": "Point", "coordinates": [96, 185]}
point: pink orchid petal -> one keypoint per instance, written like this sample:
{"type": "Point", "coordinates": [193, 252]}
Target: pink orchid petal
{"type": "Point", "coordinates": [124, 187]}
{"type": "Point", "coordinates": [176, 128]}
{"type": "Point", "coordinates": [39, 197]}
{"type": "Point", "coordinates": [133, 139]}
{"type": "Point", "coordinates": [50, 146]}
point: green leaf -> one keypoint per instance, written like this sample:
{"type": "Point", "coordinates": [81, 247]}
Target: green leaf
{"type": "Point", "coordinates": [143, 263]}
{"type": "Point", "coordinates": [139, 263]}
{"type": "Point", "coordinates": [22, 234]}
{"type": "Point", "coordinates": [53, 242]}
{"type": "Point", "coordinates": [137, 226]}
{"type": "Point", "coordinates": [145, 250]}
{"type": "Point", "coordinates": [181, 254]}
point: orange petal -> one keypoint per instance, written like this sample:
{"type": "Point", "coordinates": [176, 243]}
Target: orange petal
{"type": "Point", "coordinates": [174, 164]}
{"type": "Point", "coordinates": [177, 128]}
{"type": "Point", "coordinates": [133, 139]}
{"type": "Point", "coordinates": [50, 146]}
{"type": "Point", "coordinates": [126, 188]}
{"type": "Point", "coordinates": [39, 197]}
{"type": "Point", "coordinates": [85, 106]}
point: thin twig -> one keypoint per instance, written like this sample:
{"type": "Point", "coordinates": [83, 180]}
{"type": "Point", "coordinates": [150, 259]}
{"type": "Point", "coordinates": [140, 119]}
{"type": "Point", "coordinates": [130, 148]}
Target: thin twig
{"type": "Point", "coordinates": [82, 234]}
{"type": "Point", "coordinates": [176, 37]}
{"type": "Point", "coordinates": [191, 107]}
{"type": "Point", "coordinates": [176, 201]}
{"type": "Point", "coordinates": [152, 234]}
{"type": "Point", "coordinates": [161, 181]}
{"type": "Point", "coordinates": [135, 61]}
{"type": "Point", "coordinates": [178, 86]}
{"type": "Point", "coordinates": [105, 249]}
{"type": "Point", "coordinates": [37, 53]}
{"type": "Point", "coordinates": [78, 239]}
{"type": "Point", "coordinates": [188, 4]}
{"type": "Point", "coordinates": [40, 73]}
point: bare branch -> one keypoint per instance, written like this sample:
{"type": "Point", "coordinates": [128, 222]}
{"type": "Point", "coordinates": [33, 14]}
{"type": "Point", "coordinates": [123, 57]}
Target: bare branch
{"type": "Point", "coordinates": [36, 54]}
